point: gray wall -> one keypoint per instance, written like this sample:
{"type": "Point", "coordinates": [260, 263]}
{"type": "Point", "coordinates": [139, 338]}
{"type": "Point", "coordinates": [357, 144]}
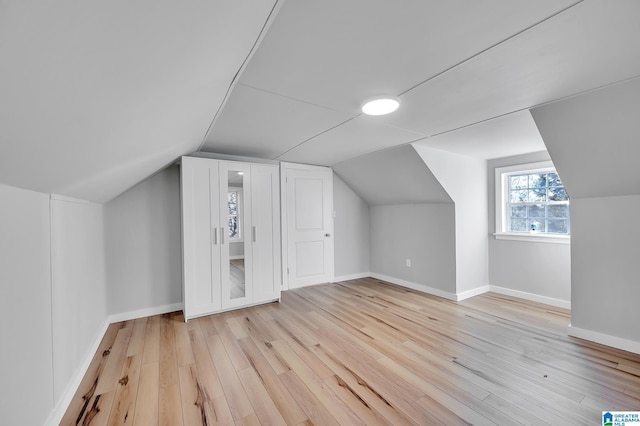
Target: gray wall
{"type": "Point", "coordinates": [593, 141]}
{"type": "Point", "coordinates": [408, 219]}
{"type": "Point", "coordinates": [78, 285]}
{"type": "Point", "coordinates": [393, 176]}
{"type": "Point", "coordinates": [351, 231]}
{"type": "Point", "coordinates": [542, 269]}
{"type": "Point", "coordinates": [424, 233]}
{"type": "Point", "coordinates": [52, 298]}
{"type": "Point", "coordinates": [26, 397]}
{"type": "Point", "coordinates": [464, 180]}
{"type": "Point", "coordinates": [606, 287]}
{"type": "Point", "coordinates": [143, 245]}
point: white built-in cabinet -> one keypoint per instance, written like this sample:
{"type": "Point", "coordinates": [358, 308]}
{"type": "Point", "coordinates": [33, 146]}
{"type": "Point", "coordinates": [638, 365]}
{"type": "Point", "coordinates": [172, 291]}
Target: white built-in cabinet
{"type": "Point", "coordinates": [230, 234]}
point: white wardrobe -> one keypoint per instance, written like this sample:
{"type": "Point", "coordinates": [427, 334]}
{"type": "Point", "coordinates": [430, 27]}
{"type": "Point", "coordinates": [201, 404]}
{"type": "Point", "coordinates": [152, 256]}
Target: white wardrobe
{"type": "Point", "coordinates": [231, 250]}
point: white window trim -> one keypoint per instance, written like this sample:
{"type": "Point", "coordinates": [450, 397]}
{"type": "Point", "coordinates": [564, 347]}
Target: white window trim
{"type": "Point", "coordinates": [501, 194]}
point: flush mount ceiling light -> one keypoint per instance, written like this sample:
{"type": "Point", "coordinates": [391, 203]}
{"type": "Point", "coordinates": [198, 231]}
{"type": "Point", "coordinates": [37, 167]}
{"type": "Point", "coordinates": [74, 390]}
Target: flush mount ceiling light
{"type": "Point", "coordinates": [380, 105]}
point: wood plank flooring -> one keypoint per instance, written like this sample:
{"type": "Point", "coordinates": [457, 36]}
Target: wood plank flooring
{"type": "Point", "coordinates": [358, 352]}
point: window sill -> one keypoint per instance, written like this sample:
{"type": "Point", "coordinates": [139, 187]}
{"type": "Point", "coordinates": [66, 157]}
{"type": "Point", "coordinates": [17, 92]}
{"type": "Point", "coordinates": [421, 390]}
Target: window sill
{"type": "Point", "coordinates": [537, 238]}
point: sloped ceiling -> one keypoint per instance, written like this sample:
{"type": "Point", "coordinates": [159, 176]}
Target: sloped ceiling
{"type": "Point", "coordinates": [453, 64]}
{"type": "Point", "coordinates": [505, 136]}
{"type": "Point", "coordinates": [593, 140]}
{"type": "Point", "coordinates": [97, 95]}
{"type": "Point", "coordinates": [394, 176]}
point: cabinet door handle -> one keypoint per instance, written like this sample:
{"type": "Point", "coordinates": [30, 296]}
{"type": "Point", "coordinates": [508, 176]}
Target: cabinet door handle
{"type": "Point", "coordinates": [215, 236]}
{"type": "Point", "coordinates": [253, 234]}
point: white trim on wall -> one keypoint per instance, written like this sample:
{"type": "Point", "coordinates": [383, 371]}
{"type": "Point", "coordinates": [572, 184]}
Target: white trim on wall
{"type": "Point", "coordinates": [415, 286]}
{"type": "Point", "coordinates": [147, 312]}
{"type": "Point", "coordinates": [531, 296]}
{"type": "Point", "coordinates": [604, 339]}
{"type": "Point", "coordinates": [351, 277]}
{"type": "Point", "coordinates": [456, 297]}
{"type": "Point", "coordinates": [463, 295]}
{"type": "Point", "coordinates": [473, 292]}
{"type": "Point", "coordinates": [55, 417]}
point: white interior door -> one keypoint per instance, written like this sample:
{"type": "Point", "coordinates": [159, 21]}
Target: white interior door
{"type": "Point", "coordinates": [308, 224]}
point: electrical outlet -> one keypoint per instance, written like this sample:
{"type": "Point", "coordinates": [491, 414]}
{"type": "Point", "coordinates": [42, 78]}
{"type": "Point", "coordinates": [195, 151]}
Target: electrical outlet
{"type": "Point", "coordinates": [407, 262]}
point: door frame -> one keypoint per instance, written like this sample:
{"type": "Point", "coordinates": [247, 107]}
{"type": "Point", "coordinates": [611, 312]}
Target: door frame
{"type": "Point", "coordinates": [284, 166]}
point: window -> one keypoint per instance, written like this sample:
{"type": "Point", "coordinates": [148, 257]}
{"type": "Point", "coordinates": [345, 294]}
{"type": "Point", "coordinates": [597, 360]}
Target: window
{"type": "Point", "coordinates": [531, 203]}
{"type": "Point", "coordinates": [234, 200]}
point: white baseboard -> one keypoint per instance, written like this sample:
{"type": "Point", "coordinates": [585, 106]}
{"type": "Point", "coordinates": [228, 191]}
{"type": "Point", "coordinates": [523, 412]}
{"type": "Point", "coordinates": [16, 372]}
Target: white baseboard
{"type": "Point", "coordinates": [63, 403]}
{"type": "Point", "coordinates": [604, 339]}
{"type": "Point", "coordinates": [65, 399]}
{"type": "Point", "coordinates": [415, 286]}
{"type": "Point", "coordinates": [531, 296]}
{"type": "Point", "coordinates": [351, 277]}
{"type": "Point", "coordinates": [473, 292]}
{"type": "Point", "coordinates": [456, 297]}
{"type": "Point", "coordinates": [147, 312]}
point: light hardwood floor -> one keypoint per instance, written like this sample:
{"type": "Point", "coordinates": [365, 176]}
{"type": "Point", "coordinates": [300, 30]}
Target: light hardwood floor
{"type": "Point", "coordinates": [358, 352]}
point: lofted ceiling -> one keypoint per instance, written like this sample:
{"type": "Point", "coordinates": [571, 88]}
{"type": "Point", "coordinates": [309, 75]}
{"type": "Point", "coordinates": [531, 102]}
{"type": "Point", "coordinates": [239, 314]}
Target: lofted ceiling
{"type": "Point", "coordinates": [466, 73]}
{"type": "Point", "coordinates": [97, 96]}
{"type": "Point", "coordinates": [393, 176]}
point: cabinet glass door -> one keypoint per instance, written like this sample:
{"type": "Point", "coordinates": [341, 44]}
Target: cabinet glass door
{"type": "Point", "coordinates": [235, 221]}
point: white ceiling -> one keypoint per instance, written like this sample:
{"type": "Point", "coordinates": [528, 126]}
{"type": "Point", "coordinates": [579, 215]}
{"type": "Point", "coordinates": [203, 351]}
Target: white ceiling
{"type": "Point", "coordinates": [393, 176]}
{"type": "Point", "coordinates": [466, 73]}
{"type": "Point", "coordinates": [512, 134]}
{"type": "Point", "coordinates": [593, 141]}
{"type": "Point", "coordinates": [96, 96]}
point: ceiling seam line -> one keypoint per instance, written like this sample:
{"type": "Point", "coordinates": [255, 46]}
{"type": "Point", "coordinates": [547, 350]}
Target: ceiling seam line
{"type": "Point", "coordinates": [517, 34]}
{"type": "Point", "coordinates": [564, 98]}
{"type": "Point", "coordinates": [314, 136]}
{"type": "Point", "coordinates": [237, 74]}
{"type": "Point", "coordinates": [292, 98]}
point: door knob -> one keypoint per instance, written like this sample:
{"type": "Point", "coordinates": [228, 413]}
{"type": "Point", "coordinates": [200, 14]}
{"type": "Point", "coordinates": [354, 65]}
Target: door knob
{"type": "Point", "coordinates": [327, 235]}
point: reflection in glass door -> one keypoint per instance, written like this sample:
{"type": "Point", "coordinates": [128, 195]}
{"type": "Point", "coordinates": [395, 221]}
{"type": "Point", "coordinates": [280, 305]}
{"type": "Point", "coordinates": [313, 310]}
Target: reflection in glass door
{"type": "Point", "coordinates": [235, 234]}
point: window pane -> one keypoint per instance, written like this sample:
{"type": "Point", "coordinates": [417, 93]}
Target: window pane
{"type": "Point", "coordinates": [519, 196]}
{"type": "Point", "coordinates": [536, 211]}
{"type": "Point", "coordinates": [518, 211]}
{"type": "Point", "coordinates": [519, 225]}
{"type": "Point", "coordinates": [558, 194]}
{"type": "Point", "coordinates": [553, 179]}
{"type": "Point", "coordinates": [538, 194]}
{"type": "Point", "coordinates": [538, 180]}
{"type": "Point", "coordinates": [233, 209]}
{"type": "Point", "coordinates": [517, 182]}
{"type": "Point", "coordinates": [535, 225]}
{"type": "Point", "coordinates": [561, 211]}
{"type": "Point", "coordinates": [233, 197]}
{"type": "Point", "coordinates": [536, 201]}
{"type": "Point", "coordinates": [558, 226]}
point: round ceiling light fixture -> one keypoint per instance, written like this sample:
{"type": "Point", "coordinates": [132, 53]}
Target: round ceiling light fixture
{"type": "Point", "coordinates": [380, 105]}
